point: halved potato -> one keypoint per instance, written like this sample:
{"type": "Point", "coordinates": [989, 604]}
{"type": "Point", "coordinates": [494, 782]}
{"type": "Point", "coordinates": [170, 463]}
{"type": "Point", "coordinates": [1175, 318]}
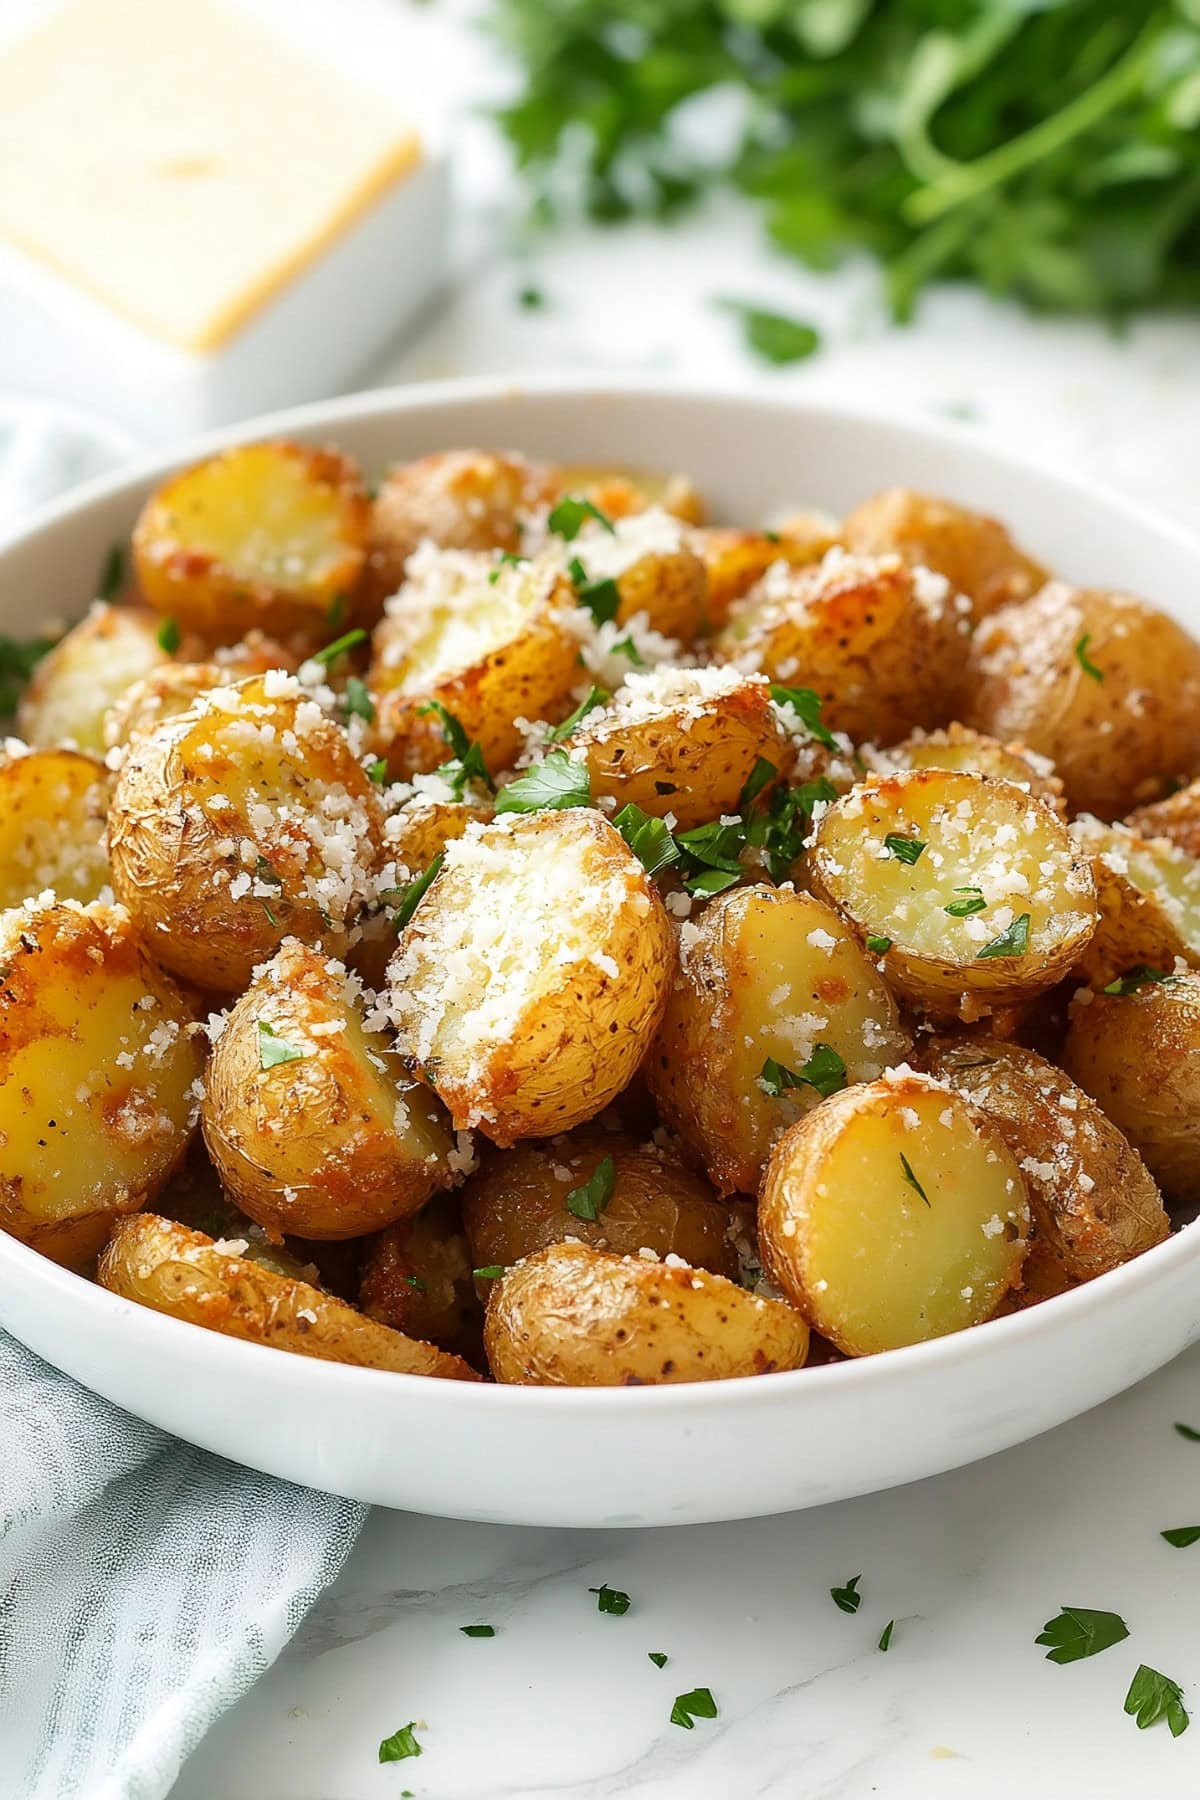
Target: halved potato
{"type": "Point", "coordinates": [1078, 673]}
{"type": "Point", "coordinates": [418, 1277]}
{"type": "Point", "coordinates": [87, 672]}
{"type": "Point", "coordinates": [243, 821]}
{"type": "Point", "coordinates": [215, 1284]}
{"type": "Point", "coordinates": [98, 1062]}
{"type": "Point", "coordinates": [53, 807]}
{"type": "Point", "coordinates": [530, 980]}
{"type": "Point", "coordinates": [619, 490]}
{"type": "Point", "coordinates": [766, 975]}
{"type": "Point", "coordinates": [458, 499]}
{"type": "Point", "coordinates": [977, 889]}
{"type": "Point", "coordinates": [1177, 818]}
{"type": "Point", "coordinates": [737, 560]}
{"type": "Point", "coordinates": [272, 534]}
{"type": "Point", "coordinates": [1093, 1201]}
{"type": "Point", "coordinates": [958, 747]}
{"type": "Point", "coordinates": [571, 1316]}
{"type": "Point", "coordinates": [974, 552]}
{"type": "Point", "coordinates": [658, 576]}
{"type": "Point", "coordinates": [892, 1214]}
{"type": "Point", "coordinates": [1149, 897]}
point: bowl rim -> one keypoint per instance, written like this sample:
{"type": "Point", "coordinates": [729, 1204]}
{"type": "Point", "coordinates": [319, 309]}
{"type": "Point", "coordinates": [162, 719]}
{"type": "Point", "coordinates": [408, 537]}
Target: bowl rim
{"type": "Point", "coordinates": [240, 1359]}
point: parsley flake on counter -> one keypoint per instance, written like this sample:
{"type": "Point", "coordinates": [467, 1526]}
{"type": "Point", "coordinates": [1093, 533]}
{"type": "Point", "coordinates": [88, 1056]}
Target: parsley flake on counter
{"type": "Point", "coordinates": [551, 785]}
{"type": "Point", "coordinates": [1081, 657]}
{"type": "Point", "coordinates": [568, 517]}
{"type": "Point", "coordinates": [847, 1598]}
{"type": "Point", "coordinates": [400, 1745]}
{"type": "Point", "coordinates": [531, 299]}
{"type": "Point", "coordinates": [825, 1071]}
{"type": "Point", "coordinates": [596, 697]}
{"type": "Point", "coordinates": [879, 946]}
{"type": "Point", "coordinates": [1078, 1631]}
{"type": "Point", "coordinates": [590, 1200]}
{"type": "Point", "coordinates": [350, 641]}
{"type": "Point", "coordinates": [904, 849]}
{"type": "Point", "coordinates": [610, 1600]}
{"type": "Point", "coordinates": [1189, 1432]}
{"type": "Point", "coordinates": [658, 1658]}
{"type": "Point", "coordinates": [1134, 978]}
{"type": "Point", "coordinates": [647, 837]}
{"type": "Point", "coordinates": [885, 1636]}
{"type": "Point", "coordinates": [906, 1170]}
{"type": "Point", "coordinates": [972, 902]}
{"type": "Point", "coordinates": [1182, 1535]}
{"type": "Point", "coordinates": [169, 636]}
{"type": "Point", "coordinates": [699, 1704]}
{"type": "Point", "coordinates": [807, 706]}
{"type": "Point", "coordinates": [1012, 942]}
{"type": "Point", "coordinates": [478, 1630]}
{"type": "Point", "coordinates": [773, 336]}
{"type": "Point", "coordinates": [272, 1050]}
{"type": "Point", "coordinates": [1152, 1697]}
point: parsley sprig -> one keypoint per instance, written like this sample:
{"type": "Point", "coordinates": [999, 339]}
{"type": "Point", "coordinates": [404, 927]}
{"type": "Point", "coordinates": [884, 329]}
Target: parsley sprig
{"type": "Point", "coordinates": [1080, 1631]}
{"type": "Point", "coordinates": [825, 1071]}
{"type": "Point", "coordinates": [1152, 1697]}
{"type": "Point", "coordinates": [590, 1200]}
{"type": "Point", "coordinates": [467, 763]}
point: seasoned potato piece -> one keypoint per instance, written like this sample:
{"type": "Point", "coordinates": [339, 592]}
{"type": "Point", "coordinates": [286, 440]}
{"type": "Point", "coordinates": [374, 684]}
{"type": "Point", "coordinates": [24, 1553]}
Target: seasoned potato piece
{"type": "Point", "coordinates": [53, 805]}
{"type": "Point", "coordinates": [975, 553]}
{"type": "Point", "coordinates": [98, 1059]}
{"type": "Point", "coordinates": [458, 499]}
{"type": "Point", "coordinates": [1093, 1202]}
{"type": "Point", "coordinates": [308, 1114]}
{"type": "Point", "coordinates": [1078, 673]}
{"type": "Point", "coordinates": [271, 534]}
{"type": "Point", "coordinates": [649, 558]}
{"type": "Point", "coordinates": [571, 1316]}
{"type": "Point", "coordinates": [977, 888]}
{"type": "Point", "coordinates": [418, 1278]}
{"type": "Point", "coordinates": [880, 643]}
{"type": "Point", "coordinates": [893, 1213]}
{"type": "Point", "coordinates": [619, 490]}
{"type": "Point", "coordinates": [767, 977]}
{"type": "Point", "coordinates": [422, 829]}
{"type": "Point", "coordinates": [172, 687]}
{"type": "Point", "coordinates": [531, 978]}
{"type": "Point", "coordinates": [243, 821]}
{"type": "Point", "coordinates": [489, 650]}
{"type": "Point", "coordinates": [1149, 897]}
{"type": "Point", "coordinates": [1138, 1055]}
{"type": "Point", "coordinates": [86, 672]}
{"type": "Point", "coordinates": [736, 560]}
{"type": "Point", "coordinates": [215, 1284]}
{"type": "Point", "coordinates": [1177, 818]}
{"type": "Point", "coordinates": [641, 1197]}
{"type": "Point", "coordinates": [958, 747]}
{"type": "Point", "coordinates": [682, 741]}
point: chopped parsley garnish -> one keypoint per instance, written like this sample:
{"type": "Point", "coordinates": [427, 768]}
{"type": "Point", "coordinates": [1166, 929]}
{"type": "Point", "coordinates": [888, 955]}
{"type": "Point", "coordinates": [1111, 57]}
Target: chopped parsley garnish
{"type": "Point", "coordinates": [467, 763]}
{"type": "Point", "coordinates": [879, 946]}
{"type": "Point", "coordinates": [357, 702]}
{"type": "Point", "coordinates": [17, 662]}
{"type": "Point", "coordinates": [658, 1658]}
{"type": "Point", "coordinates": [847, 1598]}
{"type": "Point", "coordinates": [377, 771]}
{"type": "Point", "coordinates": [628, 648]}
{"type": "Point", "coordinates": [597, 696]}
{"type": "Point", "coordinates": [1133, 979]}
{"type": "Point", "coordinates": [590, 1200]}
{"type": "Point", "coordinates": [112, 573]}
{"type": "Point", "coordinates": [1182, 1535]}
{"type": "Point", "coordinates": [760, 776]}
{"type": "Point", "coordinates": [1152, 1697]}
{"type": "Point", "coordinates": [601, 598]}
{"type": "Point", "coordinates": [824, 1071]}
{"type": "Point", "coordinates": [490, 1272]}
{"type": "Point", "coordinates": [972, 902]}
{"type": "Point", "coordinates": [1078, 1631]}
{"type": "Point", "coordinates": [885, 1636]}
{"type": "Point", "coordinates": [551, 785]}
{"type": "Point", "coordinates": [567, 518]}
{"type": "Point", "coordinates": [506, 560]}
{"type": "Point", "coordinates": [531, 299]}
{"type": "Point", "coordinates": [1013, 942]}
{"type": "Point", "coordinates": [782, 831]}
{"type": "Point", "coordinates": [336, 611]}
{"type": "Point", "coordinates": [1081, 657]}
{"type": "Point", "coordinates": [610, 1600]}
{"type": "Point", "coordinates": [274, 1050]}
{"type": "Point", "coordinates": [699, 1704]}
{"type": "Point", "coordinates": [710, 882]}
{"type": "Point", "coordinates": [414, 1281]}
{"type": "Point", "coordinates": [807, 706]}
{"type": "Point", "coordinates": [401, 1744]}
{"type": "Point", "coordinates": [478, 1630]}
{"type": "Point", "coordinates": [169, 636]}
{"type": "Point", "coordinates": [1189, 1432]}
{"type": "Point", "coordinates": [349, 641]}
{"type": "Point", "coordinates": [647, 837]}
{"type": "Point", "coordinates": [906, 1170]}
{"type": "Point", "coordinates": [773, 336]}
{"type": "Point", "coordinates": [265, 871]}
{"type": "Point", "coordinates": [904, 849]}
{"type": "Point", "coordinates": [414, 891]}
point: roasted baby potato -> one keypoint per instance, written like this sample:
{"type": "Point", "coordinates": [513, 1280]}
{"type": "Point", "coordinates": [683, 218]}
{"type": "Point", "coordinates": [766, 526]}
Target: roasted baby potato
{"type": "Point", "coordinates": [87, 672]}
{"type": "Point", "coordinates": [1137, 1053]}
{"type": "Point", "coordinates": [975, 553]}
{"type": "Point", "coordinates": [309, 1117]}
{"type": "Point", "coordinates": [958, 747]}
{"type": "Point", "coordinates": [879, 642]}
{"type": "Point", "coordinates": [418, 1277]}
{"type": "Point", "coordinates": [98, 1061]}
{"type": "Point", "coordinates": [619, 491]}
{"type": "Point", "coordinates": [1176, 818]}
{"type": "Point", "coordinates": [422, 829]}
{"type": "Point", "coordinates": [736, 560]}
{"type": "Point", "coordinates": [1094, 1205]}
{"type": "Point", "coordinates": [215, 1284]}
{"type": "Point", "coordinates": [773, 1005]}
{"type": "Point", "coordinates": [490, 651]}
{"type": "Point", "coordinates": [649, 562]}
{"type": "Point", "coordinates": [1077, 673]}
{"type": "Point", "coordinates": [271, 534]}
{"type": "Point", "coordinates": [599, 1187]}
{"type": "Point", "coordinates": [53, 805]}
{"type": "Point", "coordinates": [245, 820]}
{"type": "Point", "coordinates": [892, 1214]}
{"type": "Point", "coordinates": [1149, 897]}
{"type": "Point", "coordinates": [172, 687]}
{"type": "Point", "coordinates": [532, 975]}
{"type": "Point", "coordinates": [571, 1316]}
{"type": "Point", "coordinates": [976, 888]}
{"type": "Point", "coordinates": [682, 741]}
{"type": "Point", "coordinates": [457, 499]}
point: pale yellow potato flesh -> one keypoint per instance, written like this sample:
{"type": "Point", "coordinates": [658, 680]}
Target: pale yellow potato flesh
{"type": "Point", "coordinates": [1149, 896]}
{"type": "Point", "coordinates": [53, 807]}
{"type": "Point", "coordinates": [86, 673]}
{"type": "Point", "coordinates": [1176, 818]}
{"type": "Point", "coordinates": [958, 747]}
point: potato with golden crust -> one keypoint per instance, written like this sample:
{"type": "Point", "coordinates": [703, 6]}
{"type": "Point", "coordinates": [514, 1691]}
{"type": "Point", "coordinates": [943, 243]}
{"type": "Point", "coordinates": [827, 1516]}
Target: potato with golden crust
{"type": "Point", "coordinates": [1077, 673]}
{"type": "Point", "coordinates": [98, 1059]}
{"type": "Point", "coordinates": [172, 687]}
{"type": "Point", "coordinates": [246, 820]}
{"type": "Point", "coordinates": [1094, 1203]}
{"type": "Point", "coordinates": [53, 808]}
{"type": "Point", "coordinates": [603, 1188]}
{"type": "Point", "coordinates": [958, 747]}
{"type": "Point", "coordinates": [619, 490]}
{"type": "Point", "coordinates": [412, 838]}
{"type": "Point", "coordinates": [272, 534]}
{"type": "Point", "coordinates": [532, 975]}
{"type": "Point", "coordinates": [217, 1285]}
{"type": "Point", "coordinates": [774, 1004]}
{"type": "Point", "coordinates": [308, 1114]}
{"type": "Point", "coordinates": [1176, 818]}
{"type": "Point", "coordinates": [572, 1316]}
{"type": "Point", "coordinates": [880, 644]}
{"type": "Point", "coordinates": [892, 1214]}
{"type": "Point", "coordinates": [643, 567]}
{"type": "Point", "coordinates": [87, 672]}
{"type": "Point", "coordinates": [418, 1277]}
{"type": "Point", "coordinates": [975, 553]}
{"type": "Point", "coordinates": [976, 888]}
{"type": "Point", "coordinates": [1137, 1053]}
{"type": "Point", "coordinates": [1149, 897]}
{"type": "Point", "coordinates": [736, 560]}
{"type": "Point", "coordinates": [458, 500]}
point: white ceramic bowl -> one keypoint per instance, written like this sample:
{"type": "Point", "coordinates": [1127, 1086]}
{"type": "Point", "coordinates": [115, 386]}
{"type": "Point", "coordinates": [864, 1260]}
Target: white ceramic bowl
{"type": "Point", "coordinates": [646, 1456]}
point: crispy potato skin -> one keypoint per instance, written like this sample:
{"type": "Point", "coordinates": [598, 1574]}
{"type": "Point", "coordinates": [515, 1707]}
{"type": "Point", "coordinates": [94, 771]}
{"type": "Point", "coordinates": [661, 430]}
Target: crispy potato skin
{"type": "Point", "coordinates": [417, 1278]}
{"type": "Point", "coordinates": [268, 534]}
{"type": "Point", "coordinates": [1138, 1056]}
{"type": "Point", "coordinates": [1116, 742]}
{"type": "Point", "coordinates": [334, 1144]}
{"type": "Point", "coordinates": [53, 807]}
{"type": "Point", "coordinates": [958, 747]}
{"type": "Point", "coordinates": [1138, 922]}
{"type": "Point", "coordinates": [1176, 818]}
{"type": "Point", "coordinates": [516, 1203]}
{"type": "Point", "coordinates": [1094, 1203]}
{"type": "Point", "coordinates": [619, 491]}
{"type": "Point", "coordinates": [736, 560]}
{"type": "Point", "coordinates": [97, 1062]}
{"type": "Point", "coordinates": [187, 1275]}
{"type": "Point", "coordinates": [571, 1316]}
{"type": "Point", "coordinates": [87, 671]}
{"type": "Point", "coordinates": [461, 499]}
{"type": "Point", "coordinates": [671, 588]}
{"type": "Point", "coordinates": [975, 553]}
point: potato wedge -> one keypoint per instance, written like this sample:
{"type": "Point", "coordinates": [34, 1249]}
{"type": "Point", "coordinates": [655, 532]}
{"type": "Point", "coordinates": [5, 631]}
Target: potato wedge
{"type": "Point", "coordinates": [245, 820]}
{"type": "Point", "coordinates": [974, 552]}
{"type": "Point", "coordinates": [1176, 818]}
{"type": "Point", "coordinates": [531, 978]}
{"type": "Point", "coordinates": [976, 887]}
{"type": "Point", "coordinates": [737, 560]}
{"type": "Point", "coordinates": [766, 975]}
{"type": "Point", "coordinates": [1094, 1204]}
{"type": "Point", "coordinates": [272, 534]}
{"type": "Point", "coordinates": [619, 491]}
{"type": "Point", "coordinates": [1149, 896]}
{"type": "Point", "coordinates": [417, 1277]}
{"type": "Point", "coordinates": [87, 672]}
{"type": "Point", "coordinates": [892, 1214]}
{"type": "Point", "coordinates": [958, 747]}
{"type": "Point", "coordinates": [213, 1283]}
{"type": "Point", "coordinates": [458, 499]}
{"type": "Point", "coordinates": [53, 807]}
{"type": "Point", "coordinates": [98, 1061]}
{"type": "Point", "coordinates": [1077, 673]}
{"type": "Point", "coordinates": [571, 1316]}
